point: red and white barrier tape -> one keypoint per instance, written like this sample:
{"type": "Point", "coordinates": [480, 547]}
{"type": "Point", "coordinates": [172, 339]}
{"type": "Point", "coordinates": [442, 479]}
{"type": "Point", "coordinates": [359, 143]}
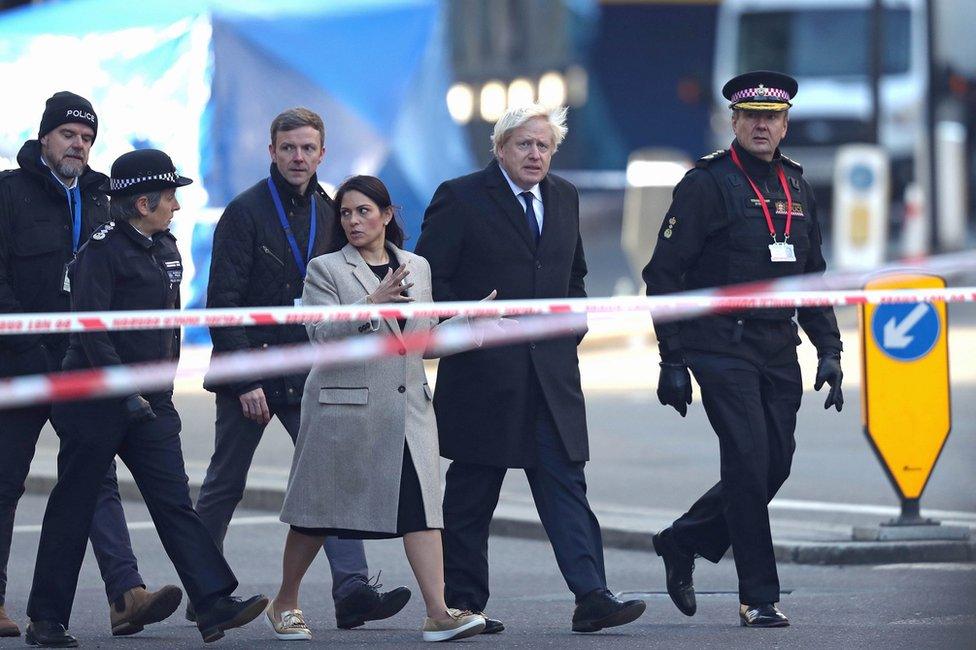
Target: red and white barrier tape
{"type": "Point", "coordinates": [98, 383]}
{"type": "Point", "coordinates": [795, 291]}
{"type": "Point", "coordinates": [674, 305]}
{"type": "Point", "coordinates": [564, 316]}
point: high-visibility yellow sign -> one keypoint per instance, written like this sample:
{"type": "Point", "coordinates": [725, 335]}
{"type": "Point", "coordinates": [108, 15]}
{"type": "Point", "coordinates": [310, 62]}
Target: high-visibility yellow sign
{"type": "Point", "coordinates": [905, 382]}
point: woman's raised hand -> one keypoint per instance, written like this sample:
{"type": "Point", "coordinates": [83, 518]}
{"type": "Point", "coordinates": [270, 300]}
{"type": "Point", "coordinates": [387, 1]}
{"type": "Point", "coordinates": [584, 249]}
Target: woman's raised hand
{"type": "Point", "coordinates": [392, 287]}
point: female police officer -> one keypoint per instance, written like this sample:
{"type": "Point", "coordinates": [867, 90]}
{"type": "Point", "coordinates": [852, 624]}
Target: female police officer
{"type": "Point", "coordinates": [129, 263]}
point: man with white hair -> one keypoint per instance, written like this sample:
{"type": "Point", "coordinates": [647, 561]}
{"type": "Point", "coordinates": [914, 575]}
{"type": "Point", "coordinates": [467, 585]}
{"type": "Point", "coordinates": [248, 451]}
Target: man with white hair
{"type": "Point", "coordinates": [514, 227]}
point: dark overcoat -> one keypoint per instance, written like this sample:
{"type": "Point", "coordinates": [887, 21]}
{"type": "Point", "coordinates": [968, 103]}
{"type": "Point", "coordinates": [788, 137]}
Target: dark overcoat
{"type": "Point", "coordinates": [476, 239]}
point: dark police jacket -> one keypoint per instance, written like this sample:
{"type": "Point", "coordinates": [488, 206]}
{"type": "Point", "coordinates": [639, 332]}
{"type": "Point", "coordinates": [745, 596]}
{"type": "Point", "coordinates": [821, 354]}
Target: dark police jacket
{"type": "Point", "coordinates": [476, 238]}
{"type": "Point", "coordinates": [715, 234]}
{"type": "Point", "coordinates": [252, 266]}
{"type": "Point", "coordinates": [120, 269]}
{"type": "Point", "coordinates": [35, 245]}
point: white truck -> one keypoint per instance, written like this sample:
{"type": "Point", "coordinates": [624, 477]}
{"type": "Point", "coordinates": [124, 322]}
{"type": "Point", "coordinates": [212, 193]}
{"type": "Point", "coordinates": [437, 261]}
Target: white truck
{"type": "Point", "coordinates": [825, 45]}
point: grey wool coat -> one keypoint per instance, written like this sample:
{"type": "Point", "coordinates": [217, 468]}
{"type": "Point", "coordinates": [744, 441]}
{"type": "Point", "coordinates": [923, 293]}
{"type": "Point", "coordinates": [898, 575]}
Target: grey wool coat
{"type": "Point", "coordinates": [355, 418]}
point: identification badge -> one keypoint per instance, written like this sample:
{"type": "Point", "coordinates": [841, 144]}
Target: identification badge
{"type": "Point", "coordinates": [781, 252]}
{"type": "Point", "coordinates": [174, 271]}
{"type": "Point", "coordinates": [66, 279]}
{"type": "Point", "coordinates": [298, 302]}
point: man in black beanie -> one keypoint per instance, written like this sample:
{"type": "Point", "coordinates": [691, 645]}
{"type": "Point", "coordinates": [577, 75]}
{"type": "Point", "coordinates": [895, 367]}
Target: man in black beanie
{"type": "Point", "coordinates": [47, 206]}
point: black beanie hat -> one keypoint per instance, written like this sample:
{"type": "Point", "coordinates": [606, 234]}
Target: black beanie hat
{"type": "Point", "coordinates": [64, 107]}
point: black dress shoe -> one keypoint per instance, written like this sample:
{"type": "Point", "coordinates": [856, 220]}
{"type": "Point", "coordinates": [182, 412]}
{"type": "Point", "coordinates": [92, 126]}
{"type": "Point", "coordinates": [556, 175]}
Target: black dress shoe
{"type": "Point", "coordinates": [227, 613]}
{"type": "Point", "coordinates": [49, 634]}
{"type": "Point", "coordinates": [678, 568]}
{"type": "Point", "coordinates": [368, 604]}
{"type": "Point", "coordinates": [600, 609]}
{"type": "Point", "coordinates": [764, 615]}
{"type": "Point", "coordinates": [492, 625]}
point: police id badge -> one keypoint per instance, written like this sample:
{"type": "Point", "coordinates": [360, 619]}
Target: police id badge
{"type": "Point", "coordinates": [66, 278]}
{"type": "Point", "coordinates": [781, 252]}
{"type": "Point", "coordinates": [174, 271]}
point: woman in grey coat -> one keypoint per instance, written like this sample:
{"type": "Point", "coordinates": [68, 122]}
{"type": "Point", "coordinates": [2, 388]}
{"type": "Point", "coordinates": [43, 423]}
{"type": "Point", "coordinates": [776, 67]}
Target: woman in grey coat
{"type": "Point", "coordinates": [366, 458]}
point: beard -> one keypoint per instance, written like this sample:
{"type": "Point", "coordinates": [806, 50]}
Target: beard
{"type": "Point", "coordinates": [69, 167]}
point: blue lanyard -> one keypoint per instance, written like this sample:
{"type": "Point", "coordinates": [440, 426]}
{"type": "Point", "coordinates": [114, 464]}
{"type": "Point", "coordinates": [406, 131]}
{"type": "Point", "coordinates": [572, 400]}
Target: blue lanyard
{"type": "Point", "coordinates": [74, 203]}
{"type": "Point", "coordinates": [301, 263]}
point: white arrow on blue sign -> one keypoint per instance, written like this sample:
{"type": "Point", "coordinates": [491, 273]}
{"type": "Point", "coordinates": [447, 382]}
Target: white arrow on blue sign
{"type": "Point", "coordinates": [906, 332]}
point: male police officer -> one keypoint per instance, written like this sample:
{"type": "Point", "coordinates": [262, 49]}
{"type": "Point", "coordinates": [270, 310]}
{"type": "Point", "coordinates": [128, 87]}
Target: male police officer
{"type": "Point", "coordinates": [47, 206]}
{"type": "Point", "coordinates": [131, 263]}
{"type": "Point", "coordinates": [261, 246]}
{"type": "Point", "coordinates": [742, 214]}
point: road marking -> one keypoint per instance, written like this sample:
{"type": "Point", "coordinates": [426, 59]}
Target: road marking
{"type": "Point", "coordinates": [956, 516]}
{"type": "Point", "coordinates": [865, 509]}
{"type": "Point", "coordinates": [933, 566]}
{"type": "Point", "coordinates": [957, 619]}
{"type": "Point", "coordinates": [258, 520]}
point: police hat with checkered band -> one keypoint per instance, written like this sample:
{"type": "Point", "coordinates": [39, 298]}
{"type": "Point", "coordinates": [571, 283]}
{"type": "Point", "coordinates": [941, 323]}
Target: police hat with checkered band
{"type": "Point", "coordinates": [761, 90]}
{"type": "Point", "coordinates": [142, 171]}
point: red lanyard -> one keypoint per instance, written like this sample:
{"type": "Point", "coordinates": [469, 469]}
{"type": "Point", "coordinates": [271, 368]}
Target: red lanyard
{"type": "Point", "coordinates": [762, 199]}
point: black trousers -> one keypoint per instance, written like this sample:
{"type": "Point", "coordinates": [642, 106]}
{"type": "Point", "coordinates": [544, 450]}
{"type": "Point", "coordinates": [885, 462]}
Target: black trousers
{"type": "Point", "coordinates": [19, 431]}
{"type": "Point", "coordinates": [236, 440]}
{"type": "Point", "coordinates": [559, 489]}
{"type": "Point", "coordinates": [92, 433]}
{"type": "Point", "coordinates": [752, 408]}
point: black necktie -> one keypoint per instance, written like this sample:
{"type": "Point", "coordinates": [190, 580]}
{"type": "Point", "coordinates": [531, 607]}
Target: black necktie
{"type": "Point", "coordinates": [530, 215]}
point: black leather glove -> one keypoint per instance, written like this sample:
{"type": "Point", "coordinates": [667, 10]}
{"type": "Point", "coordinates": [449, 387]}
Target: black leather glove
{"type": "Point", "coordinates": [137, 409]}
{"type": "Point", "coordinates": [828, 370]}
{"type": "Point", "coordinates": [674, 386]}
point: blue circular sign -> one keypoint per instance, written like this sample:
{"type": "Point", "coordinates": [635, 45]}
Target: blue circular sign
{"type": "Point", "coordinates": [861, 177]}
{"type": "Point", "coordinates": [906, 332]}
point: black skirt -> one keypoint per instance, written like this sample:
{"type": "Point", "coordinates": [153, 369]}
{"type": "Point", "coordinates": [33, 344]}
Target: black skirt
{"type": "Point", "coordinates": [410, 510]}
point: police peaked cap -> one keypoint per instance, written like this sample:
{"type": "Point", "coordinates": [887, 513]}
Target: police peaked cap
{"type": "Point", "coordinates": [761, 90]}
{"type": "Point", "coordinates": [141, 171]}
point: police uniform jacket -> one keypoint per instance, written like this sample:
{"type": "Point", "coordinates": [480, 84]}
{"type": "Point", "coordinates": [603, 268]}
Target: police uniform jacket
{"type": "Point", "coordinates": [715, 234]}
{"type": "Point", "coordinates": [476, 239]}
{"type": "Point", "coordinates": [35, 245]}
{"type": "Point", "coordinates": [120, 269]}
{"type": "Point", "coordinates": [252, 265]}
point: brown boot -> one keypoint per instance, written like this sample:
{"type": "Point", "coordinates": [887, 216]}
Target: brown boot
{"type": "Point", "coordinates": [7, 626]}
{"type": "Point", "coordinates": [138, 608]}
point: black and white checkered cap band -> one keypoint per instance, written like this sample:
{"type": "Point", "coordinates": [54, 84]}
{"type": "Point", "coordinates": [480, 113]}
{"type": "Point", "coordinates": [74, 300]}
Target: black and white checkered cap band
{"type": "Point", "coordinates": [122, 183]}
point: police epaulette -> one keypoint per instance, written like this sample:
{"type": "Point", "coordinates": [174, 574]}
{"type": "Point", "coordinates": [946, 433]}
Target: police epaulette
{"type": "Point", "coordinates": [791, 162]}
{"type": "Point", "coordinates": [103, 230]}
{"type": "Point", "coordinates": [8, 172]}
{"type": "Point", "coordinates": [704, 161]}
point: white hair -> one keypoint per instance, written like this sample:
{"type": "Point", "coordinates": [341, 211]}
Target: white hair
{"type": "Point", "coordinates": [516, 117]}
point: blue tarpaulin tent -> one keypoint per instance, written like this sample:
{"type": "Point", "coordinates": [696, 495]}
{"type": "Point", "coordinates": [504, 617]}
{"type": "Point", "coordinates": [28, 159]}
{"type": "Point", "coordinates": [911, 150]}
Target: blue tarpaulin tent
{"type": "Point", "coordinates": [203, 80]}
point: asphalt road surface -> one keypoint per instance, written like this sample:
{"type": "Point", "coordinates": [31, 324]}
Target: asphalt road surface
{"type": "Point", "coordinates": [896, 606]}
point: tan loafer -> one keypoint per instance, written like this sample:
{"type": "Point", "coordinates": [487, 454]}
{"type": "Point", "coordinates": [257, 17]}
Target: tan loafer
{"type": "Point", "coordinates": [138, 608]}
{"type": "Point", "coordinates": [7, 626]}
{"type": "Point", "coordinates": [459, 625]}
{"type": "Point", "coordinates": [289, 625]}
